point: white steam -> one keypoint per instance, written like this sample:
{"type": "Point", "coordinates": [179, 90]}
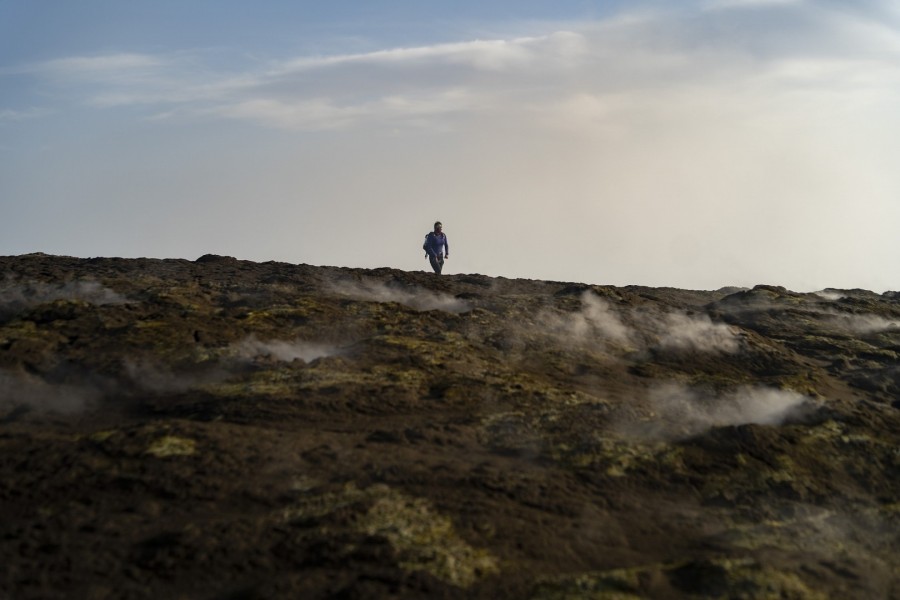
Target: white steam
{"type": "Point", "coordinates": [696, 332]}
{"type": "Point", "coordinates": [18, 389]}
{"type": "Point", "coordinates": [595, 322]}
{"type": "Point", "coordinates": [829, 295]}
{"type": "Point", "coordinates": [679, 411]}
{"type": "Point", "coordinates": [17, 295]}
{"type": "Point", "coordinates": [846, 322]}
{"type": "Point", "coordinates": [151, 376]}
{"type": "Point", "coordinates": [252, 348]}
{"type": "Point", "coordinates": [416, 298]}
{"type": "Point", "coordinates": [865, 323]}
{"type": "Point", "coordinates": [598, 322]}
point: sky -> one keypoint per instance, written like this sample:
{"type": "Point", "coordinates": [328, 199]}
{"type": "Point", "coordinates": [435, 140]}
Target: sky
{"type": "Point", "coordinates": [697, 144]}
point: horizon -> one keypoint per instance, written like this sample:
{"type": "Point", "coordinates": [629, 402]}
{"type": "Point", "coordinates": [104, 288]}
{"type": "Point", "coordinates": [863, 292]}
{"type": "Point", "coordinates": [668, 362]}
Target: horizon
{"type": "Point", "coordinates": [719, 143]}
{"type": "Point", "coordinates": [468, 274]}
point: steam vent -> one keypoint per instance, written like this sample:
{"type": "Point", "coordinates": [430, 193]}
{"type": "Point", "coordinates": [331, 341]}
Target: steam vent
{"type": "Point", "coordinates": [223, 429]}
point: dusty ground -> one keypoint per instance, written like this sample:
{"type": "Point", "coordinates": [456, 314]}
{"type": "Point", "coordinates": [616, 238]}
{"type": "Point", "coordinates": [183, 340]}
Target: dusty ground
{"type": "Point", "coordinates": [228, 429]}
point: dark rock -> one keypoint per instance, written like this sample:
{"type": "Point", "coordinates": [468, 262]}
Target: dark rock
{"type": "Point", "coordinates": [215, 258]}
{"type": "Point", "coordinates": [221, 428]}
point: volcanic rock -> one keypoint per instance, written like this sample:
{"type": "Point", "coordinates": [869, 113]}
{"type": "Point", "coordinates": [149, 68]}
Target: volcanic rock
{"type": "Point", "coordinates": [227, 429]}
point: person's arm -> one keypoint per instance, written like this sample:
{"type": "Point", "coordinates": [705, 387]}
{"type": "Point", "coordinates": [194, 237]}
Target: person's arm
{"type": "Point", "coordinates": [446, 246]}
{"type": "Point", "coordinates": [426, 246]}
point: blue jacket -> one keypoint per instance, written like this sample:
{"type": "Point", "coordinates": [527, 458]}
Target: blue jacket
{"type": "Point", "coordinates": [436, 244]}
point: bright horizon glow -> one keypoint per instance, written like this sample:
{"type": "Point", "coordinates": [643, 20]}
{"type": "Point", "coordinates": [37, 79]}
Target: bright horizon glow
{"type": "Point", "coordinates": [719, 143]}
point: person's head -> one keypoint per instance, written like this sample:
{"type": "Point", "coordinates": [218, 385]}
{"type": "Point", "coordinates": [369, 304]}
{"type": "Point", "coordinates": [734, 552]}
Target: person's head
{"type": "Point", "coordinates": [438, 227]}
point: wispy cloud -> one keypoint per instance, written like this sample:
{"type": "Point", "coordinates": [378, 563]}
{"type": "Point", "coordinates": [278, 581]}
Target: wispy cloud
{"type": "Point", "coordinates": [488, 55]}
{"type": "Point", "coordinates": [13, 115]}
{"type": "Point", "coordinates": [325, 113]}
{"type": "Point", "coordinates": [588, 77]}
{"type": "Point", "coordinates": [75, 66]}
{"type": "Point", "coordinates": [747, 4]}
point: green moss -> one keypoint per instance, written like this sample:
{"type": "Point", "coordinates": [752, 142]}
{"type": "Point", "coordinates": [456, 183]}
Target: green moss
{"type": "Point", "coordinates": [269, 382]}
{"type": "Point", "coordinates": [424, 539]}
{"type": "Point", "coordinates": [407, 377]}
{"type": "Point", "coordinates": [275, 315]}
{"type": "Point", "coordinates": [171, 445]}
{"type": "Point", "coordinates": [744, 579]}
{"type": "Point", "coordinates": [26, 330]}
{"type": "Point", "coordinates": [150, 324]}
{"type": "Point", "coordinates": [101, 436]}
{"type": "Point", "coordinates": [619, 458]}
{"type": "Point", "coordinates": [617, 584]}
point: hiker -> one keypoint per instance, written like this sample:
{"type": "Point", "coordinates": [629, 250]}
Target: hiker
{"type": "Point", "coordinates": [436, 247]}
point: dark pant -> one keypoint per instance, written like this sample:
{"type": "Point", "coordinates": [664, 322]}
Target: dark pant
{"type": "Point", "coordinates": [437, 263]}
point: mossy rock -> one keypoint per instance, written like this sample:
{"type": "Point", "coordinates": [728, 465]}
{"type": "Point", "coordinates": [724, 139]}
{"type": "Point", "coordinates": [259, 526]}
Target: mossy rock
{"type": "Point", "coordinates": [423, 539]}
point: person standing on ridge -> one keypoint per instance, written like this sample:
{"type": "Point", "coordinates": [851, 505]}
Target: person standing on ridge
{"type": "Point", "coordinates": [436, 247]}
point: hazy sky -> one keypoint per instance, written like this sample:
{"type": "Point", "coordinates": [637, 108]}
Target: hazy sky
{"type": "Point", "coordinates": [695, 144]}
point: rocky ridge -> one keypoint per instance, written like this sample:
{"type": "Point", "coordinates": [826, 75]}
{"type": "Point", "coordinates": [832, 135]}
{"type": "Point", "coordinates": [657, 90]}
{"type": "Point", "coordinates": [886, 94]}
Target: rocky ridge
{"type": "Point", "coordinates": [227, 429]}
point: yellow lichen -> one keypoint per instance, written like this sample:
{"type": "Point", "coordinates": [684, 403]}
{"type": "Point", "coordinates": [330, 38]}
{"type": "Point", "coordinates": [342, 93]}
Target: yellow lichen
{"type": "Point", "coordinates": [101, 436]}
{"type": "Point", "coordinates": [615, 584]}
{"type": "Point", "coordinates": [171, 445]}
{"type": "Point", "coordinates": [760, 582]}
{"type": "Point", "coordinates": [424, 539]}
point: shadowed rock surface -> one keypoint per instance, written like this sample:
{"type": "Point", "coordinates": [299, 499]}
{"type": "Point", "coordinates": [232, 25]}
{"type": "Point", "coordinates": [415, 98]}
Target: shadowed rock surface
{"type": "Point", "coordinates": [228, 429]}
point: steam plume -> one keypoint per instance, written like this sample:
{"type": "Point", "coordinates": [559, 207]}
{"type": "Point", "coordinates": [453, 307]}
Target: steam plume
{"type": "Point", "coordinates": [865, 323]}
{"type": "Point", "coordinates": [23, 389]}
{"type": "Point", "coordinates": [696, 332]}
{"type": "Point", "coordinates": [595, 322]}
{"type": "Point", "coordinates": [598, 322]}
{"type": "Point", "coordinates": [16, 295]}
{"type": "Point", "coordinates": [416, 298]}
{"type": "Point", "coordinates": [252, 348]}
{"type": "Point", "coordinates": [680, 411]}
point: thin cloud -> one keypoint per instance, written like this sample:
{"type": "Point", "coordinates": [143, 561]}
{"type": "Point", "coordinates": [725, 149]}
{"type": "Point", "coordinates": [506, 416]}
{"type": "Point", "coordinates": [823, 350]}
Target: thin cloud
{"type": "Point", "coordinates": [580, 78]}
{"type": "Point", "coordinates": [13, 115]}
{"type": "Point", "coordinates": [489, 55]}
{"type": "Point", "coordinates": [323, 113]}
{"type": "Point", "coordinates": [749, 4]}
{"type": "Point", "coordinates": [648, 134]}
{"type": "Point", "coordinates": [80, 65]}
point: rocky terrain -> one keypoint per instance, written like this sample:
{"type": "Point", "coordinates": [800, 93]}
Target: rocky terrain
{"type": "Point", "coordinates": [235, 430]}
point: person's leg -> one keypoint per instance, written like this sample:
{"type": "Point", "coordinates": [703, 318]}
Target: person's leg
{"type": "Point", "coordinates": [435, 264]}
